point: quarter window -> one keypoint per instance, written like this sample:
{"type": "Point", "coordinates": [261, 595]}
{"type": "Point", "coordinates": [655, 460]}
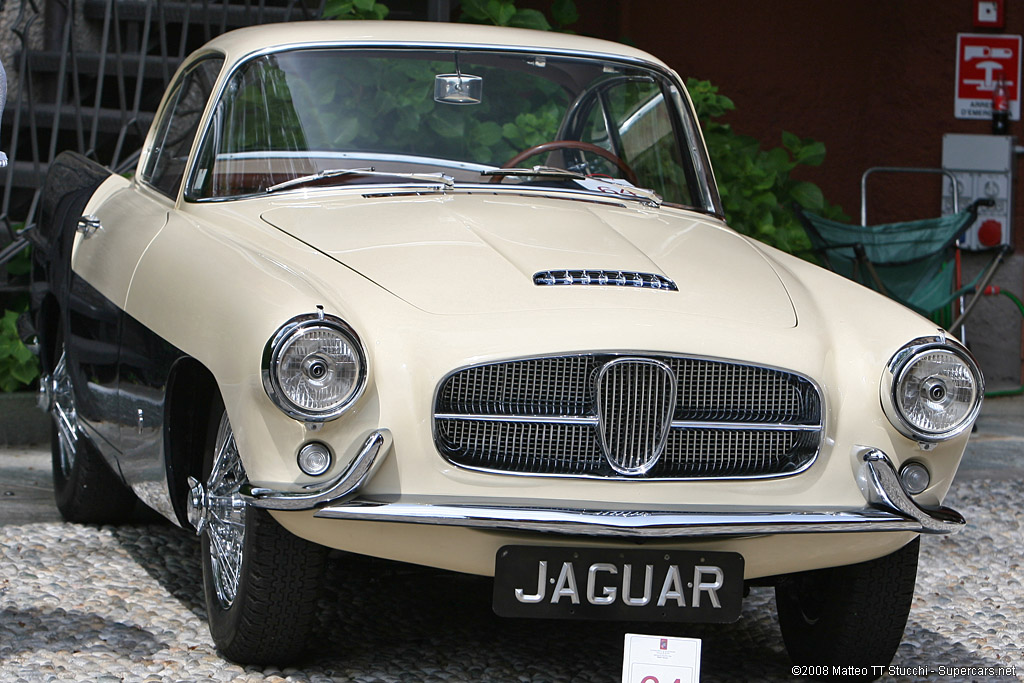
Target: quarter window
{"type": "Point", "coordinates": [177, 129]}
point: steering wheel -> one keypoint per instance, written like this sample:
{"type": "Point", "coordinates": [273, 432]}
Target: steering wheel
{"type": "Point", "coordinates": [568, 144]}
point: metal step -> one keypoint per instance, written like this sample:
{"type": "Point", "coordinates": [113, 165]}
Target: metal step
{"type": "Point", "coordinates": [108, 120]}
{"type": "Point", "coordinates": [24, 174]}
{"type": "Point", "coordinates": [89, 64]}
{"type": "Point", "coordinates": [211, 13]}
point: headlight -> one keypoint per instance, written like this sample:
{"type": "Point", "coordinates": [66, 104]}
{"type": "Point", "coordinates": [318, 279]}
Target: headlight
{"type": "Point", "coordinates": [932, 389]}
{"type": "Point", "coordinates": [314, 367]}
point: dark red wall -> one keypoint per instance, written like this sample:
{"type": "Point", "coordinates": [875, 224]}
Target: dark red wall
{"type": "Point", "coordinates": [873, 80]}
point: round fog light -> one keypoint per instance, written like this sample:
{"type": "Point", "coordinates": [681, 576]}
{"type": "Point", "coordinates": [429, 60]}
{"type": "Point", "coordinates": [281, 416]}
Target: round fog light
{"type": "Point", "coordinates": [314, 459]}
{"type": "Point", "coordinates": [915, 478]}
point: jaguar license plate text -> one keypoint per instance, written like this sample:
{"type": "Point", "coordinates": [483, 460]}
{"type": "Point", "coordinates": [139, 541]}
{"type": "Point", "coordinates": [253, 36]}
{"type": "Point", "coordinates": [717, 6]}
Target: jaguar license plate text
{"type": "Point", "coordinates": [631, 585]}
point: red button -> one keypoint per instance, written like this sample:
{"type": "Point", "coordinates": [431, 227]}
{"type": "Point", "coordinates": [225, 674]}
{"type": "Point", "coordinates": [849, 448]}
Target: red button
{"type": "Point", "coordinates": [990, 233]}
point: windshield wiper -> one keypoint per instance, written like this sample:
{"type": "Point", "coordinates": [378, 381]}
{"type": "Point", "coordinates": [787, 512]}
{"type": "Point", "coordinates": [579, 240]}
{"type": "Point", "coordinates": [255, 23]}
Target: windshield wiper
{"type": "Point", "coordinates": [432, 178]}
{"type": "Point", "coordinates": [539, 171]}
{"type": "Point", "coordinates": [623, 189]}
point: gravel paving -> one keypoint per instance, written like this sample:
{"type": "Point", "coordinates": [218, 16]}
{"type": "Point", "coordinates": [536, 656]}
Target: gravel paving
{"type": "Point", "coordinates": [125, 603]}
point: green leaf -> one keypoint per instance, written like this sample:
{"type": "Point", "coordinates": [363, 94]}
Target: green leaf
{"type": "Point", "coordinates": [474, 9]}
{"type": "Point", "coordinates": [21, 264]}
{"type": "Point", "coordinates": [487, 134]}
{"type": "Point", "coordinates": [777, 161]}
{"type": "Point", "coordinates": [503, 12]}
{"type": "Point", "coordinates": [808, 195]}
{"type": "Point", "coordinates": [346, 131]}
{"type": "Point", "coordinates": [812, 154]}
{"type": "Point", "coordinates": [447, 128]}
{"type": "Point", "coordinates": [529, 18]}
{"type": "Point", "coordinates": [791, 142]}
{"type": "Point", "coordinates": [335, 8]}
{"type": "Point", "coordinates": [18, 367]}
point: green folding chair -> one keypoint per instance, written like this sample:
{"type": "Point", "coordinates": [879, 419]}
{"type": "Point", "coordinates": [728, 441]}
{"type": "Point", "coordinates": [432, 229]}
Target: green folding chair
{"type": "Point", "coordinates": [911, 262]}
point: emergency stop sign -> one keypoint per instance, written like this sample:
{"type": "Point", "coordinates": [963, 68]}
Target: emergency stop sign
{"type": "Point", "coordinates": [982, 60]}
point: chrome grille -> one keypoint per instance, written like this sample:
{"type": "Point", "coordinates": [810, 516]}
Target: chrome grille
{"type": "Point", "coordinates": [557, 416]}
{"type": "Point", "coordinates": [634, 399]}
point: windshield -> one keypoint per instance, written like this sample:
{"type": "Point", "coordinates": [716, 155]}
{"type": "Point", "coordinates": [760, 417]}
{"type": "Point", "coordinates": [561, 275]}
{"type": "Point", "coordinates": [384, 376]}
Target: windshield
{"type": "Point", "coordinates": [319, 116]}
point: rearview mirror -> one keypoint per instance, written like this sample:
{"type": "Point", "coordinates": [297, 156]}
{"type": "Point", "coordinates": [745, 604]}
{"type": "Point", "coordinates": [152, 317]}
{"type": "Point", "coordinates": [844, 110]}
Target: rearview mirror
{"type": "Point", "coordinates": [458, 88]}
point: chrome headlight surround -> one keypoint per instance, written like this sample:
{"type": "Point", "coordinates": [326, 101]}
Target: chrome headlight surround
{"type": "Point", "coordinates": [314, 367]}
{"type": "Point", "coordinates": [932, 389]}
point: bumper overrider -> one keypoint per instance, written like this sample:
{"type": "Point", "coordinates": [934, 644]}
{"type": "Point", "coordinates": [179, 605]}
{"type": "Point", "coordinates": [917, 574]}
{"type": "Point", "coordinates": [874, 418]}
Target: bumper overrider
{"type": "Point", "coordinates": [888, 508]}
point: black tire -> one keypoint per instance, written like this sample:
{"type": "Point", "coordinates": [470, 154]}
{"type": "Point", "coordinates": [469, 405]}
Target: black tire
{"type": "Point", "coordinates": [85, 489]}
{"type": "Point", "coordinates": [269, 614]}
{"type": "Point", "coordinates": [848, 616]}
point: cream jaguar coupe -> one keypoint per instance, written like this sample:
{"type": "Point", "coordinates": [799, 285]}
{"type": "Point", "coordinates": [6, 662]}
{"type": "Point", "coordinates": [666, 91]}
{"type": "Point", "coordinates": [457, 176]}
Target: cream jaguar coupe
{"type": "Point", "coordinates": [464, 297]}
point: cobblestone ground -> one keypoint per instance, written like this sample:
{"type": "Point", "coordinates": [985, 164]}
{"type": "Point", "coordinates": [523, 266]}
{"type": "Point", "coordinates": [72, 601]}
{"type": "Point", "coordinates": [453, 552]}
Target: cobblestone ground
{"type": "Point", "coordinates": [110, 604]}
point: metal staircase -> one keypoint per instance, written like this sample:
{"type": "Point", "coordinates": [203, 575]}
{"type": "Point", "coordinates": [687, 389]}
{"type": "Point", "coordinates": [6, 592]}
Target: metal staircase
{"type": "Point", "coordinates": [87, 75]}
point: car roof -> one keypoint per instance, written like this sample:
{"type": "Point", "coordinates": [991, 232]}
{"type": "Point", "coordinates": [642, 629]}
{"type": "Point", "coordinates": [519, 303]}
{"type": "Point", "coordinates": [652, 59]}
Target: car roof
{"type": "Point", "coordinates": [241, 43]}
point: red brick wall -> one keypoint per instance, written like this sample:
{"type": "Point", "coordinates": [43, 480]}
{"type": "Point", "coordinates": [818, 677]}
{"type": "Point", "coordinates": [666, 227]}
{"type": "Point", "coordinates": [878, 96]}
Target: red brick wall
{"type": "Point", "coordinates": [873, 80]}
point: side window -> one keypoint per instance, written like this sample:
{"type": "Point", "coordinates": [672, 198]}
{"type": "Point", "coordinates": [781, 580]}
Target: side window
{"type": "Point", "coordinates": [631, 119]}
{"type": "Point", "coordinates": [177, 129]}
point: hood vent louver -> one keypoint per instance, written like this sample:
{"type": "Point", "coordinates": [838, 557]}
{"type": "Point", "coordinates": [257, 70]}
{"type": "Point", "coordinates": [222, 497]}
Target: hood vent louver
{"type": "Point", "coordinates": [619, 278]}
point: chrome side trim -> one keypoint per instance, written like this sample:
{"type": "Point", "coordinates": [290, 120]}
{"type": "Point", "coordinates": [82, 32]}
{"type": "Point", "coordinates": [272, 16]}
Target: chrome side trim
{"type": "Point", "coordinates": [889, 508]}
{"type": "Point", "coordinates": [342, 487]}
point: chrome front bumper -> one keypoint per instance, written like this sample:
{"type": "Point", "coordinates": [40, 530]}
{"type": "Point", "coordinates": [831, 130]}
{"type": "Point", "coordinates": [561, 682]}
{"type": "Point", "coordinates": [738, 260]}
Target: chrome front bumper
{"type": "Point", "coordinates": [889, 508]}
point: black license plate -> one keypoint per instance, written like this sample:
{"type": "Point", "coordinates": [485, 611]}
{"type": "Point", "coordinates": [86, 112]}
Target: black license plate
{"type": "Point", "coordinates": [628, 585]}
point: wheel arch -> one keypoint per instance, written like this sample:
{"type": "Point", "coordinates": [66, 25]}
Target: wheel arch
{"type": "Point", "coordinates": [47, 329]}
{"type": "Point", "coordinates": [191, 389]}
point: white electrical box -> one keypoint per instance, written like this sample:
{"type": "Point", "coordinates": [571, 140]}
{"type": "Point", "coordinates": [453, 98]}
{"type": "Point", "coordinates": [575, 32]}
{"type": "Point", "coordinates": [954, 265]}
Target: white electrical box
{"type": "Point", "coordinates": [983, 166]}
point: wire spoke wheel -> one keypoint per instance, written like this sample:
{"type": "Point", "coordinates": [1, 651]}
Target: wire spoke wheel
{"type": "Point", "coordinates": [64, 414]}
{"type": "Point", "coordinates": [226, 524]}
{"type": "Point", "coordinates": [261, 582]}
{"type": "Point", "coordinates": [85, 488]}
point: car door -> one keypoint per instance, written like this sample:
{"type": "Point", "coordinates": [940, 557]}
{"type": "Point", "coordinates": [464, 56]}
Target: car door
{"type": "Point", "coordinates": [145, 359]}
{"type": "Point", "coordinates": [123, 219]}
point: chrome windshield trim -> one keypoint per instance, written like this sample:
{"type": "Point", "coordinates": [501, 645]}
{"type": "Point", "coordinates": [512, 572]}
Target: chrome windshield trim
{"type": "Point", "coordinates": [361, 156]}
{"type": "Point", "coordinates": [889, 508]}
{"type": "Point", "coordinates": [338, 489]}
{"type": "Point", "coordinates": [685, 114]}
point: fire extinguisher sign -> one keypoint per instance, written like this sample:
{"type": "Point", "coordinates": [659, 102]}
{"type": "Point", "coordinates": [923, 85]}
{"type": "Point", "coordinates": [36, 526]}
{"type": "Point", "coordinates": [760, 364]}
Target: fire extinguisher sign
{"type": "Point", "coordinates": [982, 61]}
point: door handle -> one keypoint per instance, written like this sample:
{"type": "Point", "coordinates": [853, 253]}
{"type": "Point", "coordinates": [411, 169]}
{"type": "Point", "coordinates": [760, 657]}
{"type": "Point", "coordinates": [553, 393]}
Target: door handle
{"type": "Point", "coordinates": [89, 225]}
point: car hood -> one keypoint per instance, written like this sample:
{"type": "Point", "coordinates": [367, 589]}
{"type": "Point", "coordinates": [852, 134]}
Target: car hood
{"type": "Point", "coordinates": [464, 254]}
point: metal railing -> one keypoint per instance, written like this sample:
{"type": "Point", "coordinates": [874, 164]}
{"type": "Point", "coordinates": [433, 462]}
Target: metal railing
{"type": "Point", "coordinates": [87, 75]}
